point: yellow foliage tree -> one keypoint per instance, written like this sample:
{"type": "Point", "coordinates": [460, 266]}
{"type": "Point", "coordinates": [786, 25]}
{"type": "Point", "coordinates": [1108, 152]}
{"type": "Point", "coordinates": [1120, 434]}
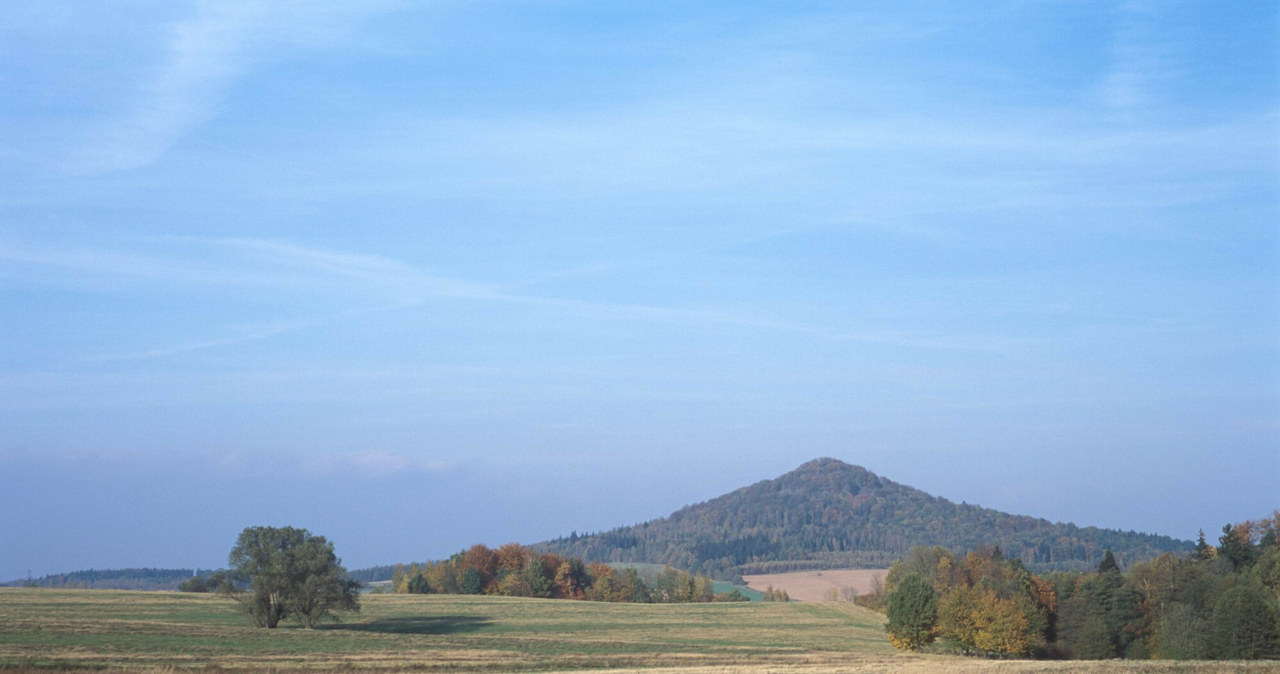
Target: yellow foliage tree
{"type": "Point", "coordinates": [1004, 629]}
{"type": "Point", "coordinates": [977, 620]}
{"type": "Point", "coordinates": [958, 617]}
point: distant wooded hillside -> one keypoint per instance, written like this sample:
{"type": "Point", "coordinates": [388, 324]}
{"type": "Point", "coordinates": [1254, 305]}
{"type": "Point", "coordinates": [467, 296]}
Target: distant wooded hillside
{"type": "Point", "coordinates": [829, 514]}
{"type": "Point", "coordinates": [114, 579]}
{"type": "Point", "coordinates": [154, 579]}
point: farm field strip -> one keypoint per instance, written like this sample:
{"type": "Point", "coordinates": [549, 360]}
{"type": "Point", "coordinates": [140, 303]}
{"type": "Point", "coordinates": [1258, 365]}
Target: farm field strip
{"type": "Point", "coordinates": [75, 630]}
{"type": "Point", "coordinates": [134, 629]}
{"type": "Point", "coordinates": [813, 585]}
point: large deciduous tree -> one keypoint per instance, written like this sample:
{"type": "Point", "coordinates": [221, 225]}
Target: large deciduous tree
{"type": "Point", "coordinates": [283, 571]}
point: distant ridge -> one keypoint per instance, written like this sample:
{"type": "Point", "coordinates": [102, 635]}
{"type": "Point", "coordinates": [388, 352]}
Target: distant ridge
{"type": "Point", "coordinates": [830, 514]}
{"type": "Point", "coordinates": [152, 579]}
{"type": "Point", "coordinates": [113, 579]}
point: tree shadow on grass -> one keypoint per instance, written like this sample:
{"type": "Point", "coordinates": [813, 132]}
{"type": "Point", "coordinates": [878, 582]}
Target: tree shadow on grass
{"type": "Point", "coordinates": [437, 624]}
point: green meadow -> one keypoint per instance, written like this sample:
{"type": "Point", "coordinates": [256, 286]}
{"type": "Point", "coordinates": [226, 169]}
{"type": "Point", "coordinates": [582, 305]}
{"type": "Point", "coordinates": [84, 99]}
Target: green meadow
{"type": "Point", "coordinates": [53, 630]}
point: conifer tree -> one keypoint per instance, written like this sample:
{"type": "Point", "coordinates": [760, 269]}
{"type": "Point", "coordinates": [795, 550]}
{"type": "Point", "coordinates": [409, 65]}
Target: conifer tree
{"type": "Point", "coordinates": [1202, 550]}
{"type": "Point", "coordinates": [1234, 548]}
{"type": "Point", "coordinates": [1244, 626]}
{"type": "Point", "coordinates": [1108, 563]}
{"type": "Point", "coordinates": [913, 613]}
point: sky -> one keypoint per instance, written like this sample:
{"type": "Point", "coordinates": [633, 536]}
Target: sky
{"type": "Point", "coordinates": [418, 275]}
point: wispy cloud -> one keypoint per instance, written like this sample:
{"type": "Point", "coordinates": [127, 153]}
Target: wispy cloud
{"type": "Point", "coordinates": [387, 284]}
{"type": "Point", "coordinates": [403, 279]}
{"type": "Point", "coordinates": [1141, 61]}
{"type": "Point", "coordinates": [90, 265]}
{"type": "Point", "coordinates": [376, 271]}
{"type": "Point", "coordinates": [251, 335]}
{"type": "Point", "coordinates": [897, 163]}
{"type": "Point", "coordinates": [202, 56]}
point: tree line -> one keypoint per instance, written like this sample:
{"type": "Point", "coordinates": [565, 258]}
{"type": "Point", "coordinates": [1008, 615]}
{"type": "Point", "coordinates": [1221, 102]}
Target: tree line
{"type": "Point", "coordinates": [1218, 602]}
{"type": "Point", "coordinates": [514, 570]}
{"type": "Point", "coordinates": [114, 579]}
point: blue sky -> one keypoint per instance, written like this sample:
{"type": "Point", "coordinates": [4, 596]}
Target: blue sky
{"type": "Point", "coordinates": [420, 275]}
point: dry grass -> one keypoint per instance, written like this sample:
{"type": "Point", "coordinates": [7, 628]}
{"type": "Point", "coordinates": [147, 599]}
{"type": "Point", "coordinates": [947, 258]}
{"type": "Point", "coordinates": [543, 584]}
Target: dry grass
{"type": "Point", "coordinates": [129, 630]}
{"type": "Point", "coordinates": [814, 585]}
{"type": "Point", "coordinates": [49, 631]}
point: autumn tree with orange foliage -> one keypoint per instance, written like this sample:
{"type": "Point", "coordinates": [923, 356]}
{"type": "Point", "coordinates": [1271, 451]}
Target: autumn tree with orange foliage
{"type": "Point", "coordinates": [483, 560]}
{"type": "Point", "coordinates": [511, 558]}
{"type": "Point", "coordinates": [517, 571]}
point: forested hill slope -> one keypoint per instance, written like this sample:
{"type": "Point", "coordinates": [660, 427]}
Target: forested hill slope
{"type": "Point", "coordinates": [113, 579]}
{"type": "Point", "coordinates": [829, 514]}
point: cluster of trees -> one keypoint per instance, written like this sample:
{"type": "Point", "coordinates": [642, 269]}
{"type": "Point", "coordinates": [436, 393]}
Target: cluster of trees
{"type": "Point", "coordinates": [1217, 602]}
{"type": "Point", "coordinates": [829, 514]}
{"type": "Point", "coordinates": [980, 603]}
{"type": "Point", "coordinates": [771, 594]}
{"type": "Point", "coordinates": [517, 571]}
{"type": "Point", "coordinates": [210, 582]}
{"type": "Point", "coordinates": [849, 593]}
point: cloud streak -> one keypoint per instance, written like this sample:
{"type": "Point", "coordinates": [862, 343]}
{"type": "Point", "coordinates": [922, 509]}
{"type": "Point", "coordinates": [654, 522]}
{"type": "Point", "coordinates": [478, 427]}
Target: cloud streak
{"type": "Point", "coordinates": [254, 335]}
{"type": "Point", "coordinates": [202, 57]}
{"type": "Point", "coordinates": [394, 285]}
{"type": "Point", "coordinates": [1141, 62]}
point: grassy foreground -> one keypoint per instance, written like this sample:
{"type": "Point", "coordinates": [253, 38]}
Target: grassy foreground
{"type": "Point", "coordinates": [44, 630]}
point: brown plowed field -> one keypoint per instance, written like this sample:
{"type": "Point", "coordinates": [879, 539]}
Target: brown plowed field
{"type": "Point", "coordinates": [814, 585]}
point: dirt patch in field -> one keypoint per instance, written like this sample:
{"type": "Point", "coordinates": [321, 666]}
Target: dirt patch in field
{"type": "Point", "coordinates": [817, 585]}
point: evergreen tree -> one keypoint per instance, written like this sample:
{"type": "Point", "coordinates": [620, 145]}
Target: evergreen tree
{"type": "Point", "coordinates": [538, 578]}
{"type": "Point", "coordinates": [419, 585]}
{"type": "Point", "coordinates": [1108, 563]}
{"type": "Point", "coordinates": [1235, 548]}
{"type": "Point", "coordinates": [1084, 629]}
{"type": "Point", "coordinates": [1270, 539]}
{"type": "Point", "coordinates": [1244, 626]}
{"type": "Point", "coordinates": [913, 613]}
{"type": "Point", "coordinates": [1180, 634]}
{"type": "Point", "coordinates": [470, 581]}
{"type": "Point", "coordinates": [1102, 619]}
{"type": "Point", "coordinates": [1202, 550]}
{"type": "Point", "coordinates": [1266, 572]}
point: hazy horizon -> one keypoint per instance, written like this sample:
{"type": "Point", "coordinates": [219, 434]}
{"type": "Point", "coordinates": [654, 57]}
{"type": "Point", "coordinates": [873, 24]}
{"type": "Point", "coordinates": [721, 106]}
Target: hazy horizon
{"type": "Point", "coordinates": [515, 527]}
{"type": "Point", "coordinates": [420, 275]}
{"type": "Point", "coordinates": [1212, 536]}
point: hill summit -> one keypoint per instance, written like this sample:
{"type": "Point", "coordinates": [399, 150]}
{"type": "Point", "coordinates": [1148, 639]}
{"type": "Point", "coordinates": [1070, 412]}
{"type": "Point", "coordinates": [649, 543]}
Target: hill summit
{"type": "Point", "coordinates": [830, 514]}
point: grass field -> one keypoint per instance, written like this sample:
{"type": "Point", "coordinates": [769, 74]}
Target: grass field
{"type": "Point", "coordinates": [50, 630]}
